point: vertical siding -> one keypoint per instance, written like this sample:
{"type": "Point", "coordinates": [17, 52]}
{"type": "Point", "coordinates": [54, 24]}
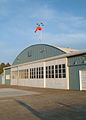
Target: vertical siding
{"type": "Point", "coordinates": [7, 72]}
{"type": "Point", "coordinates": [74, 81]}
{"type": "Point", "coordinates": [1, 79]}
{"type": "Point", "coordinates": [75, 64]}
{"type": "Point", "coordinates": [74, 78]}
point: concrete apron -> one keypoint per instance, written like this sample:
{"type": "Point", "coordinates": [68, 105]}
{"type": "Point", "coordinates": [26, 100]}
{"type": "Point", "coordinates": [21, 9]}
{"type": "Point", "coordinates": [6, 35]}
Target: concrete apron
{"type": "Point", "coordinates": [10, 92]}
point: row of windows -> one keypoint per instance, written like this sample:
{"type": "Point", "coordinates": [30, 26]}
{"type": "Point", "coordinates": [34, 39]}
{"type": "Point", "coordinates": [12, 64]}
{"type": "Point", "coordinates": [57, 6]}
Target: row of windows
{"type": "Point", "coordinates": [53, 71]}
{"type": "Point", "coordinates": [14, 74]}
{"type": "Point", "coordinates": [57, 71]}
{"type": "Point", "coordinates": [60, 71]}
{"type": "Point", "coordinates": [23, 74]}
{"type": "Point", "coordinates": [37, 72]}
{"type": "Point", "coordinates": [50, 71]}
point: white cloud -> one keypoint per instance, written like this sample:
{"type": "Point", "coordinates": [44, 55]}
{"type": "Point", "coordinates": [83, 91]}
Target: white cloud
{"type": "Point", "coordinates": [64, 29]}
{"type": "Point", "coordinates": [60, 21]}
{"type": "Point", "coordinates": [66, 40]}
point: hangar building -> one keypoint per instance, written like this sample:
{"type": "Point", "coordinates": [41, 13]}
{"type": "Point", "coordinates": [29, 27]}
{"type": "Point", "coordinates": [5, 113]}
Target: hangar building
{"type": "Point", "coordinates": [48, 66]}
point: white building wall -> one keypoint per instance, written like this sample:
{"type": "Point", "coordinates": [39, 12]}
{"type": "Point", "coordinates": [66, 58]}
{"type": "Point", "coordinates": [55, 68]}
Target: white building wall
{"type": "Point", "coordinates": [59, 83]}
{"type": "Point", "coordinates": [36, 82]}
{"type": "Point", "coordinates": [14, 81]}
{"type": "Point", "coordinates": [22, 67]}
{"type": "Point", "coordinates": [82, 77]}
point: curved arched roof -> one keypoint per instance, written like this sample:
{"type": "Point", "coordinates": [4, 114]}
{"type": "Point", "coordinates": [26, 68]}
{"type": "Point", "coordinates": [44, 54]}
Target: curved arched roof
{"type": "Point", "coordinates": [37, 52]}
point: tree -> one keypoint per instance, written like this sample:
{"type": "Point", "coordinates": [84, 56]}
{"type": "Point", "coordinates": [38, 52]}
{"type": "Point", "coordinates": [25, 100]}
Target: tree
{"type": "Point", "coordinates": [7, 65]}
{"type": "Point", "coordinates": [3, 65]}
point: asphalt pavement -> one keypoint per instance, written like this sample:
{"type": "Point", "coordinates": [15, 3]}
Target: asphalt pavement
{"type": "Point", "coordinates": [27, 103]}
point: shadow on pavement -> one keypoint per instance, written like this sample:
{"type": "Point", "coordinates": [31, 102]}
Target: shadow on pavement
{"type": "Point", "coordinates": [33, 111]}
{"type": "Point", "coordinates": [65, 112]}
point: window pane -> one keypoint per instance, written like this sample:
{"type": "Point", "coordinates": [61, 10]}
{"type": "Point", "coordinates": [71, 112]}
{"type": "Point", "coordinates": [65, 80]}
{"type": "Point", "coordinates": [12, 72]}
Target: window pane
{"type": "Point", "coordinates": [56, 75]}
{"type": "Point", "coordinates": [59, 70]}
{"type": "Point", "coordinates": [59, 66]}
{"type": "Point", "coordinates": [64, 70]}
{"type": "Point", "coordinates": [64, 75]}
{"type": "Point", "coordinates": [63, 65]}
{"type": "Point", "coordinates": [56, 66]}
{"type": "Point", "coordinates": [59, 75]}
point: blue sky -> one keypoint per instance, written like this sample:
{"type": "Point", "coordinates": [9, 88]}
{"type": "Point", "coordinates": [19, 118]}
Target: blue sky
{"type": "Point", "coordinates": [64, 25]}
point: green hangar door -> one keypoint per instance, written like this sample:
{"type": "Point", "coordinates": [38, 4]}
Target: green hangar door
{"type": "Point", "coordinates": [82, 76]}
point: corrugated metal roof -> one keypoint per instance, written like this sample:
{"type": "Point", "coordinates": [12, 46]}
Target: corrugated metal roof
{"type": "Point", "coordinates": [37, 52]}
{"type": "Point", "coordinates": [76, 53]}
{"type": "Point", "coordinates": [66, 50]}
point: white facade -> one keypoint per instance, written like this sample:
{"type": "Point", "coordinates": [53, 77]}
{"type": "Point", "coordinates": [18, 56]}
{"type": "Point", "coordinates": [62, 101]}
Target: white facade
{"type": "Point", "coordinates": [40, 76]}
{"type": "Point", "coordinates": [82, 76]}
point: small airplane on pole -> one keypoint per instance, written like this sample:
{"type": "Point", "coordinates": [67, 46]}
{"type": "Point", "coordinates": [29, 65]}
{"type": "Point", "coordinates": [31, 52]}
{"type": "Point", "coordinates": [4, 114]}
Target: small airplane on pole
{"type": "Point", "coordinates": [39, 27]}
